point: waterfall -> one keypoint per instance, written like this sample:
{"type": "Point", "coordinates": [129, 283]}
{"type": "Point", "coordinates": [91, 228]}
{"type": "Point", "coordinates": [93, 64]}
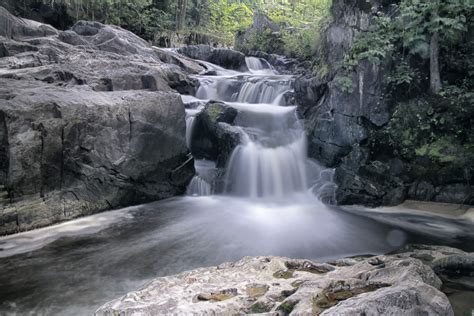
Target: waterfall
{"type": "Point", "coordinates": [198, 187]}
{"type": "Point", "coordinates": [262, 92]}
{"type": "Point", "coordinates": [259, 66]}
{"type": "Point", "coordinates": [189, 130]}
{"type": "Point", "coordinates": [271, 161]}
{"type": "Point", "coordinates": [258, 171]}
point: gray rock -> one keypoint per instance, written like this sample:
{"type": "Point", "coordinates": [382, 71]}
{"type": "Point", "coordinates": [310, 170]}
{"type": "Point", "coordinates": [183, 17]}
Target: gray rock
{"type": "Point", "coordinates": [17, 28]}
{"type": "Point", "coordinates": [401, 285]}
{"type": "Point", "coordinates": [89, 120]}
{"type": "Point", "coordinates": [74, 152]}
{"type": "Point", "coordinates": [226, 58]}
{"type": "Point", "coordinates": [213, 137]}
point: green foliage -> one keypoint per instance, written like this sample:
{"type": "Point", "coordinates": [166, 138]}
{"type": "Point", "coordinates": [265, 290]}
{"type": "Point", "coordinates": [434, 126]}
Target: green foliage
{"type": "Point", "coordinates": [345, 84]}
{"type": "Point", "coordinates": [227, 17]}
{"type": "Point", "coordinates": [406, 36]}
{"type": "Point", "coordinates": [438, 128]}
{"type": "Point", "coordinates": [403, 77]}
{"type": "Point", "coordinates": [295, 13]}
{"type": "Point", "coordinates": [375, 46]}
{"type": "Point", "coordinates": [266, 41]}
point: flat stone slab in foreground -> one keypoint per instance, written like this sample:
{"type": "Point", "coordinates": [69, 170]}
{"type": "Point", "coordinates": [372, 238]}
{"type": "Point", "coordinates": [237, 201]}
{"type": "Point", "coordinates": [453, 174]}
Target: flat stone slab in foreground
{"type": "Point", "coordinates": [397, 284]}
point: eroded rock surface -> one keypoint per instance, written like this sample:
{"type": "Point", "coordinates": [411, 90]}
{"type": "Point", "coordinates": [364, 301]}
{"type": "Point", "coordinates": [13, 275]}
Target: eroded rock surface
{"type": "Point", "coordinates": [398, 284]}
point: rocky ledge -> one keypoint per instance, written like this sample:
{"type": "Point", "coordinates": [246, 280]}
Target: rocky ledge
{"type": "Point", "coordinates": [407, 282]}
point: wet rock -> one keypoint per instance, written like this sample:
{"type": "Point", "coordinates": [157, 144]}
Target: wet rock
{"type": "Point", "coordinates": [213, 137]}
{"type": "Point", "coordinates": [403, 286]}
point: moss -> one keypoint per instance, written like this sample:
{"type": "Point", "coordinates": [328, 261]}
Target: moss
{"type": "Point", "coordinates": [260, 307]}
{"type": "Point", "coordinates": [340, 291]}
{"type": "Point", "coordinates": [214, 111]}
{"type": "Point", "coordinates": [297, 283]}
{"type": "Point", "coordinates": [287, 306]}
{"type": "Point", "coordinates": [440, 150]}
{"type": "Point", "coordinates": [282, 274]}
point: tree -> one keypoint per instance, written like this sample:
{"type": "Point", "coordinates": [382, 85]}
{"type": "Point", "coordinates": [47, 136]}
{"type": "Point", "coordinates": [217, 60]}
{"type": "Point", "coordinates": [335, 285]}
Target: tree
{"type": "Point", "coordinates": [181, 15]}
{"type": "Point", "coordinates": [425, 23]}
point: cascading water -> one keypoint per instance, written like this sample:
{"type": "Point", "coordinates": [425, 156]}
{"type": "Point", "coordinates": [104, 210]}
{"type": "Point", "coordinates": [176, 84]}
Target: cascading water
{"type": "Point", "coordinates": [271, 160]}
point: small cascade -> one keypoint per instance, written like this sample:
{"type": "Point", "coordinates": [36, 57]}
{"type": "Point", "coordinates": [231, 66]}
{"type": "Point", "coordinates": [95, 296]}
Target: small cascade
{"type": "Point", "coordinates": [258, 171]}
{"type": "Point", "coordinates": [200, 184]}
{"type": "Point", "coordinates": [189, 129]}
{"type": "Point", "coordinates": [262, 91]}
{"type": "Point", "coordinates": [198, 187]}
{"type": "Point", "coordinates": [259, 66]}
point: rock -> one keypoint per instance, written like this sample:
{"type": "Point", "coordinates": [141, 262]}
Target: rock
{"type": "Point", "coordinates": [14, 28]}
{"type": "Point", "coordinates": [89, 120]}
{"type": "Point", "coordinates": [213, 137]}
{"type": "Point", "coordinates": [73, 152]}
{"type": "Point", "coordinates": [226, 58]}
{"type": "Point", "coordinates": [367, 183]}
{"type": "Point", "coordinates": [261, 30]}
{"type": "Point", "coordinates": [187, 64]}
{"type": "Point", "coordinates": [403, 285]}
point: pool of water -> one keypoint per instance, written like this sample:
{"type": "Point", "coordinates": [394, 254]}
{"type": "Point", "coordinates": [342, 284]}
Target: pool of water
{"type": "Point", "coordinates": [81, 264]}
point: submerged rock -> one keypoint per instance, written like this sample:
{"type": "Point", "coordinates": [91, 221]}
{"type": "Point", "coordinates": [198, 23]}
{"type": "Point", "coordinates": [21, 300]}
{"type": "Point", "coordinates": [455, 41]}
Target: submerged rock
{"type": "Point", "coordinates": [402, 285]}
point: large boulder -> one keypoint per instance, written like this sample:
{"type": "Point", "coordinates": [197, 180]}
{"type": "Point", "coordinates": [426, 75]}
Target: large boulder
{"type": "Point", "coordinates": [15, 28]}
{"type": "Point", "coordinates": [399, 284]}
{"type": "Point", "coordinates": [73, 152]}
{"type": "Point", "coordinates": [89, 120]}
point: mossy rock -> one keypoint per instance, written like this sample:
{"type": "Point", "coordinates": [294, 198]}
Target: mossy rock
{"type": "Point", "coordinates": [283, 274]}
{"type": "Point", "coordinates": [287, 306]}
{"type": "Point", "coordinates": [260, 307]}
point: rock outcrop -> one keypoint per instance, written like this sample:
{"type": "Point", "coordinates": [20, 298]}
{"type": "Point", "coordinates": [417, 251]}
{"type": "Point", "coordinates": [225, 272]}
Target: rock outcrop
{"type": "Point", "coordinates": [397, 284]}
{"type": "Point", "coordinates": [90, 119]}
{"type": "Point", "coordinates": [345, 125]}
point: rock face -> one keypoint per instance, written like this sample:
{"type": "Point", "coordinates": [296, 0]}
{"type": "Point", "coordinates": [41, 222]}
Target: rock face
{"type": "Point", "coordinates": [89, 120]}
{"type": "Point", "coordinates": [344, 125]}
{"type": "Point", "coordinates": [397, 284]}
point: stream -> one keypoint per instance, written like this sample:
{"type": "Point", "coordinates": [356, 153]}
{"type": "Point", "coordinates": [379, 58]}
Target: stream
{"type": "Point", "coordinates": [271, 204]}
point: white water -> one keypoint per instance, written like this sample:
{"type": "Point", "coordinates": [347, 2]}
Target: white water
{"type": "Point", "coordinates": [198, 187]}
{"type": "Point", "coordinates": [271, 161]}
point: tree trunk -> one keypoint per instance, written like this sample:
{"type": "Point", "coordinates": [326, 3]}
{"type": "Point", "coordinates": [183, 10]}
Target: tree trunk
{"type": "Point", "coordinates": [435, 80]}
{"type": "Point", "coordinates": [181, 15]}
